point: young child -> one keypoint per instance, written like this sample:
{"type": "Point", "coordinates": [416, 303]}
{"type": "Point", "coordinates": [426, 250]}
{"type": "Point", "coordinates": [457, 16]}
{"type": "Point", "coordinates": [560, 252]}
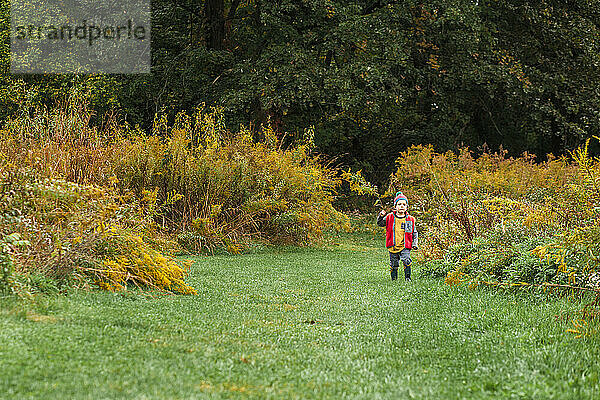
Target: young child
{"type": "Point", "coordinates": [401, 235]}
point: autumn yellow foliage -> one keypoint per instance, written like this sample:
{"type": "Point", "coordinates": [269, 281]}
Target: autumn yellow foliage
{"type": "Point", "coordinates": [510, 223]}
{"type": "Point", "coordinates": [100, 200]}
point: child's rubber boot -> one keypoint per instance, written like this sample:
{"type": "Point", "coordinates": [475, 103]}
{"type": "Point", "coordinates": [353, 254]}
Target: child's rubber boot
{"type": "Point", "coordinates": [394, 273]}
{"type": "Point", "coordinates": [407, 272]}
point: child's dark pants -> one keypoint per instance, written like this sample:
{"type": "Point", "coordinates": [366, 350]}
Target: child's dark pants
{"type": "Point", "coordinates": [395, 259]}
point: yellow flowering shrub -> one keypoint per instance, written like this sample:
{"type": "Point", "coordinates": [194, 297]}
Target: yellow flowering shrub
{"type": "Point", "coordinates": [457, 197]}
{"type": "Point", "coordinates": [232, 187]}
{"type": "Point", "coordinates": [81, 233]}
{"type": "Point", "coordinates": [507, 222]}
{"type": "Point", "coordinates": [85, 195]}
{"type": "Point", "coordinates": [137, 263]}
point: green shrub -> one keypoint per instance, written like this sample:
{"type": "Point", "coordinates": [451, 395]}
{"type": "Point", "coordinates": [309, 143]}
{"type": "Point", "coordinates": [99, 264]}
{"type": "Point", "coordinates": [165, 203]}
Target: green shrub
{"type": "Point", "coordinates": [9, 246]}
{"type": "Point", "coordinates": [43, 284]}
{"type": "Point", "coordinates": [502, 256]}
{"type": "Point", "coordinates": [7, 270]}
{"type": "Point", "coordinates": [436, 269]}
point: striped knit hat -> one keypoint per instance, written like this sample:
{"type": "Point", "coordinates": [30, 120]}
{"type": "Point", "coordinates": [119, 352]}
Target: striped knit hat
{"type": "Point", "coordinates": [400, 196]}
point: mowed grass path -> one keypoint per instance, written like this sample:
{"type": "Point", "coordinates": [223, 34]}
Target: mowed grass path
{"type": "Point", "coordinates": [296, 323]}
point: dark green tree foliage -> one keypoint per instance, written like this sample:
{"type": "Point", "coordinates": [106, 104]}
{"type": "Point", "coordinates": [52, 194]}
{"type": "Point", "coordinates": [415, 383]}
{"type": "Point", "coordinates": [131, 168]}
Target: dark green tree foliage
{"type": "Point", "coordinates": [517, 73]}
{"type": "Point", "coordinates": [372, 76]}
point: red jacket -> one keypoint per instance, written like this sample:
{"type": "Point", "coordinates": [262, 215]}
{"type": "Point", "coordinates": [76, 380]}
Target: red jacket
{"type": "Point", "coordinates": [410, 233]}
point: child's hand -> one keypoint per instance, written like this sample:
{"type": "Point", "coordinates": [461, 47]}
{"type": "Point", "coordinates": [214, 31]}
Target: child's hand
{"type": "Point", "coordinates": [382, 213]}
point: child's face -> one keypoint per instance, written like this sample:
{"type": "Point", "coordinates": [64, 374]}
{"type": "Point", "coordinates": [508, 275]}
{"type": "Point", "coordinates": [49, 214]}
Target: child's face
{"type": "Point", "coordinates": [401, 207]}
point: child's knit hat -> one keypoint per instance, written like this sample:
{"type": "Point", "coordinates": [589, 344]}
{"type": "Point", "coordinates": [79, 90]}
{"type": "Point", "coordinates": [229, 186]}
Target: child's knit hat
{"type": "Point", "coordinates": [400, 196]}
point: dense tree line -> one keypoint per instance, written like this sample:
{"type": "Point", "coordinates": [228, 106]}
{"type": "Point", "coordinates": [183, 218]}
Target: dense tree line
{"type": "Point", "coordinates": [372, 76]}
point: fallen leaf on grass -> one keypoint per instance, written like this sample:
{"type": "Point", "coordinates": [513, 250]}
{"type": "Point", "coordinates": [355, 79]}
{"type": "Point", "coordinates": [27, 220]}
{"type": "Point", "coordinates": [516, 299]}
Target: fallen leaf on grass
{"type": "Point", "coordinates": [41, 318]}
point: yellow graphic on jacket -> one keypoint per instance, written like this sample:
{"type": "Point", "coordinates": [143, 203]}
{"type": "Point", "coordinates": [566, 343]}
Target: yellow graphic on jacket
{"type": "Point", "coordinates": [398, 236]}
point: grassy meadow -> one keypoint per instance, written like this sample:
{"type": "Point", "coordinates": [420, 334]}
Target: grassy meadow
{"type": "Point", "coordinates": [288, 322]}
{"type": "Point", "coordinates": [93, 305]}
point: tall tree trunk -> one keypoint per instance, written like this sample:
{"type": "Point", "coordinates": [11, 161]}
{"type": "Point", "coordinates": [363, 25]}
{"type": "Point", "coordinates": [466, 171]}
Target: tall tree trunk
{"type": "Point", "coordinates": [215, 24]}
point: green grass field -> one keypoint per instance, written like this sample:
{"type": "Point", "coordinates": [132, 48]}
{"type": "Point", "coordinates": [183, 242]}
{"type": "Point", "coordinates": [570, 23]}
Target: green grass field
{"type": "Point", "coordinates": [296, 323]}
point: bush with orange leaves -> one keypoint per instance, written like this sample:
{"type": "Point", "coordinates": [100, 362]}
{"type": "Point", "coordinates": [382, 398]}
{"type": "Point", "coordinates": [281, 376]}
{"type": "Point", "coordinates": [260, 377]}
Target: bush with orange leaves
{"type": "Point", "coordinates": [222, 189]}
{"type": "Point", "coordinates": [508, 222]}
{"type": "Point", "coordinates": [78, 234]}
{"type": "Point", "coordinates": [96, 201]}
{"type": "Point", "coordinates": [458, 197]}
